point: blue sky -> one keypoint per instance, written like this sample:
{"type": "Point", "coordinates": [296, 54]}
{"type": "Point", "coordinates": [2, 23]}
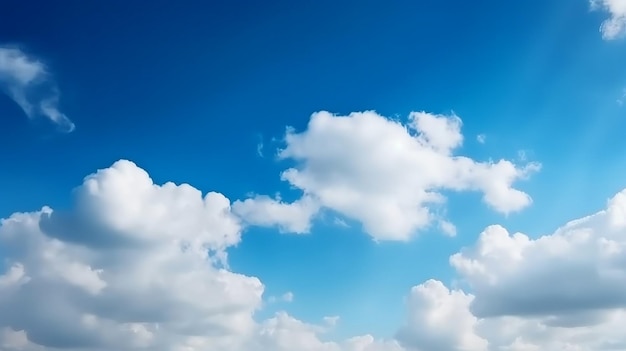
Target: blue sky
{"type": "Point", "coordinates": [230, 97]}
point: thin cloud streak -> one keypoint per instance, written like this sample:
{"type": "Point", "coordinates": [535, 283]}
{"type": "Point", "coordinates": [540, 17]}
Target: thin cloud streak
{"type": "Point", "coordinates": [27, 82]}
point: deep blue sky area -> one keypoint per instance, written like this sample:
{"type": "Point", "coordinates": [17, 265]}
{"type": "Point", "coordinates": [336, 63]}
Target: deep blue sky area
{"type": "Point", "coordinates": [188, 90]}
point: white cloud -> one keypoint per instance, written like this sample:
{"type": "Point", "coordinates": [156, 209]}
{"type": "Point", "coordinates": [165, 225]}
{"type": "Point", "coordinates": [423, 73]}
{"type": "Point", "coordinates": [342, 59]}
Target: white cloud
{"type": "Point", "coordinates": [481, 138]}
{"type": "Point", "coordinates": [285, 333]}
{"type": "Point", "coordinates": [29, 84]}
{"type": "Point", "coordinates": [136, 265]}
{"type": "Point", "coordinates": [292, 217]}
{"type": "Point", "coordinates": [564, 291]}
{"type": "Point", "coordinates": [580, 270]}
{"type": "Point", "coordinates": [386, 174]}
{"type": "Point", "coordinates": [615, 26]}
{"type": "Point", "coordinates": [438, 319]}
{"type": "Point", "coordinates": [126, 265]}
{"type": "Point", "coordinates": [447, 228]}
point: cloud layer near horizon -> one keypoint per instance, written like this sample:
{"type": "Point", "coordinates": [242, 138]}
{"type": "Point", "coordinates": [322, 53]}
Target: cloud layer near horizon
{"type": "Point", "coordinates": [26, 80]}
{"type": "Point", "coordinates": [136, 265]}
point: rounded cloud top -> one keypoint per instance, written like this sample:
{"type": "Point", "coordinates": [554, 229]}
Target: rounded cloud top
{"type": "Point", "coordinates": [386, 174]}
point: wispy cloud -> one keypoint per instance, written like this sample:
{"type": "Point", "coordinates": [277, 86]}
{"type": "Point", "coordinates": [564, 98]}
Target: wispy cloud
{"type": "Point", "coordinates": [615, 26]}
{"type": "Point", "coordinates": [622, 98]}
{"type": "Point", "coordinates": [27, 81]}
{"type": "Point", "coordinates": [331, 320]}
{"type": "Point", "coordinates": [259, 149]}
{"type": "Point", "coordinates": [287, 297]}
{"type": "Point", "coordinates": [481, 138]}
{"type": "Point", "coordinates": [340, 222]}
{"type": "Point", "coordinates": [260, 145]}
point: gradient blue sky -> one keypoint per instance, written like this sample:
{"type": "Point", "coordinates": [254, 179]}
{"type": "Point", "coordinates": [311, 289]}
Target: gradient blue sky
{"type": "Point", "coordinates": [190, 90]}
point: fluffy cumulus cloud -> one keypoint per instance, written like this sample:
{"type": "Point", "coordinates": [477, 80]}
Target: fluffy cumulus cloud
{"type": "Point", "coordinates": [615, 26]}
{"type": "Point", "coordinates": [132, 264]}
{"type": "Point", "coordinates": [563, 291]}
{"type": "Point", "coordinates": [386, 174]}
{"type": "Point", "coordinates": [136, 265]}
{"type": "Point", "coordinates": [439, 319]}
{"type": "Point", "coordinates": [579, 271]}
{"type": "Point", "coordinates": [442, 319]}
{"type": "Point", "coordinates": [27, 81]}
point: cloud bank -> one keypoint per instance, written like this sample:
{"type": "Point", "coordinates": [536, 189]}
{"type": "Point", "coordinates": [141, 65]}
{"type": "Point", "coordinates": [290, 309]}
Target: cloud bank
{"type": "Point", "coordinates": [136, 265]}
{"type": "Point", "coordinates": [27, 81]}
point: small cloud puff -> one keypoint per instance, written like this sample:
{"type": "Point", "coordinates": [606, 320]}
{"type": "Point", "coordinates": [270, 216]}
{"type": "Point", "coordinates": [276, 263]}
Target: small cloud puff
{"type": "Point", "coordinates": [287, 297]}
{"type": "Point", "coordinates": [145, 277]}
{"type": "Point", "coordinates": [481, 138]}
